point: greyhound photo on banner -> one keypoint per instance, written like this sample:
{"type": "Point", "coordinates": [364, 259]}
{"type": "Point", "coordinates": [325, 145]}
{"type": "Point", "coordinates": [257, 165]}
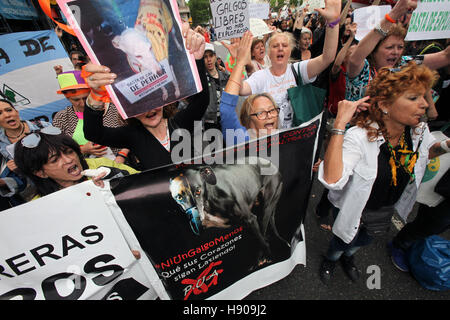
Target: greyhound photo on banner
{"type": "Point", "coordinates": [203, 229]}
{"type": "Point", "coordinates": [223, 229]}
{"type": "Point", "coordinates": [141, 42]}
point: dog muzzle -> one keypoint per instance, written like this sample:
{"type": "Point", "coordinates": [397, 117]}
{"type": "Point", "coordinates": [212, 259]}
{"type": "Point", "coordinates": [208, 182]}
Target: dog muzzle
{"type": "Point", "coordinates": [194, 219]}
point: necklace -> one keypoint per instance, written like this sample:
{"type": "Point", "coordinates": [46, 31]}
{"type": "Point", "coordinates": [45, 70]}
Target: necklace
{"type": "Point", "coordinates": [275, 79]}
{"type": "Point", "coordinates": [402, 157]}
{"type": "Point", "coordinates": [21, 132]}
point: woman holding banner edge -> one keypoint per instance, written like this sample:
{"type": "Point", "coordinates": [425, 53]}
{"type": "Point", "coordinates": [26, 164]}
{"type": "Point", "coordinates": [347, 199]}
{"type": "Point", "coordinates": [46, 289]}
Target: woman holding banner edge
{"type": "Point", "coordinates": [279, 77]}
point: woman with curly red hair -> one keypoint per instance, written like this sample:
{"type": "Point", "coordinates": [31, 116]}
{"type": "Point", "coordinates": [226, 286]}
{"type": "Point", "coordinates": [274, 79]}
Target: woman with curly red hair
{"type": "Point", "coordinates": [368, 167]}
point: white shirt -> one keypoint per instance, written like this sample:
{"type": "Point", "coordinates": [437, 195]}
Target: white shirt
{"type": "Point", "coordinates": [360, 158]}
{"type": "Point", "coordinates": [264, 81]}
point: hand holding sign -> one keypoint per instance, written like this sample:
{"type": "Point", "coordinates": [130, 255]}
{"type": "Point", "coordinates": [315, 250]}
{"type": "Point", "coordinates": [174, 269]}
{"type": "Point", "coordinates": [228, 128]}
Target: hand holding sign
{"type": "Point", "coordinates": [195, 42]}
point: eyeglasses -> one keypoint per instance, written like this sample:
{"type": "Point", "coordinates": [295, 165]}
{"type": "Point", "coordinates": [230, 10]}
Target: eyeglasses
{"type": "Point", "coordinates": [32, 140]}
{"type": "Point", "coordinates": [262, 115]}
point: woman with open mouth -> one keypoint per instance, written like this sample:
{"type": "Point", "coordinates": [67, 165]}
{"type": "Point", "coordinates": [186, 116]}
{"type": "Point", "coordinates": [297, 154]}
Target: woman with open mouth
{"type": "Point", "coordinates": [147, 135]}
{"type": "Point", "coordinates": [259, 112]}
{"type": "Point", "coordinates": [279, 77]}
{"type": "Point", "coordinates": [383, 47]}
{"type": "Point", "coordinates": [54, 161]}
{"type": "Point", "coordinates": [14, 188]}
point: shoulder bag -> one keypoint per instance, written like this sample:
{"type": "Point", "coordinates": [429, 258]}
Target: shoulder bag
{"type": "Point", "coordinates": [306, 100]}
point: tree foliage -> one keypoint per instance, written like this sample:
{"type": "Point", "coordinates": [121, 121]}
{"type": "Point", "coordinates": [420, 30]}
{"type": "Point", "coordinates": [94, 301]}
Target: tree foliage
{"type": "Point", "coordinates": [200, 11]}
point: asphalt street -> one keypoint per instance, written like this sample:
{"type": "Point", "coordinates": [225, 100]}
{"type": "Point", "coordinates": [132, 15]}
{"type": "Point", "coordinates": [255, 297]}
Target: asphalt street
{"type": "Point", "coordinates": [304, 284]}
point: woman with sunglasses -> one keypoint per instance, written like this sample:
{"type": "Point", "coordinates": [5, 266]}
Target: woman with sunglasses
{"type": "Point", "coordinates": [259, 112]}
{"type": "Point", "coordinates": [53, 161]}
{"type": "Point", "coordinates": [368, 167]}
{"type": "Point", "coordinates": [14, 188]}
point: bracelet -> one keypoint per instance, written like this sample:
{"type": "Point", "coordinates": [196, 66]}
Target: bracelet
{"type": "Point", "coordinates": [100, 95]}
{"type": "Point", "coordinates": [388, 18]}
{"type": "Point", "coordinates": [95, 108]}
{"type": "Point", "coordinates": [444, 146]}
{"type": "Point", "coordinates": [380, 31]}
{"type": "Point", "coordinates": [337, 131]}
{"type": "Point", "coordinates": [235, 82]}
{"type": "Point", "coordinates": [123, 154]}
{"type": "Point", "coordinates": [334, 23]}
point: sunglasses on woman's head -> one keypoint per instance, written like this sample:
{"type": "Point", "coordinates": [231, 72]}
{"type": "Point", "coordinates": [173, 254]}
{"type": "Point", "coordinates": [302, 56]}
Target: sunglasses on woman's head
{"type": "Point", "coordinates": [32, 140]}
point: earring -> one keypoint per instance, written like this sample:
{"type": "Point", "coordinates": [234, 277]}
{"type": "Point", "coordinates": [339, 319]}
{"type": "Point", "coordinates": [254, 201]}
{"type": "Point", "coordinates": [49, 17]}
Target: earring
{"type": "Point", "coordinates": [384, 112]}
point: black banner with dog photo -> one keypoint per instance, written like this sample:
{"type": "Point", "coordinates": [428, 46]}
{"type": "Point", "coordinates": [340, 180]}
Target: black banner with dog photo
{"type": "Point", "coordinates": [224, 230]}
{"type": "Point", "coordinates": [141, 42]}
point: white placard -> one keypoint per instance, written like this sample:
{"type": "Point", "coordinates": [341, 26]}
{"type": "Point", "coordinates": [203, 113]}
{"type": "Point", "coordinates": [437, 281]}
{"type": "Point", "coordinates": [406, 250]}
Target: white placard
{"type": "Point", "coordinates": [258, 27]}
{"type": "Point", "coordinates": [230, 18]}
{"type": "Point", "coordinates": [142, 84]}
{"type": "Point", "coordinates": [431, 20]}
{"type": "Point", "coordinates": [259, 10]}
{"type": "Point", "coordinates": [367, 18]}
{"type": "Point", "coordinates": [67, 246]}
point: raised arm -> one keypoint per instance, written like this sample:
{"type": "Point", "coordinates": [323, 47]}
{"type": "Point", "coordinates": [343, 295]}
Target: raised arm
{"type": "Point", "coordinates": [333, 164]}
{"type": "Point", "coordinates": [370, 41]}
{"type": "Point", "coordinates": [343, 52]}
{"type": "Point", "coordinates": [331, 13]}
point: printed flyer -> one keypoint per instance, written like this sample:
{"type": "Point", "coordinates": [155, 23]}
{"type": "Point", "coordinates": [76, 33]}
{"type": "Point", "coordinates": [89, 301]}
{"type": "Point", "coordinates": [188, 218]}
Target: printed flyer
{"type": "Point", "coordinates": [141, 42]}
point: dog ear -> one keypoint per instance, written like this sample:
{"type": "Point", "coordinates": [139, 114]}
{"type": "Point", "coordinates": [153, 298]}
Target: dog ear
{"type": "Point", "coordinates": [207, 175]}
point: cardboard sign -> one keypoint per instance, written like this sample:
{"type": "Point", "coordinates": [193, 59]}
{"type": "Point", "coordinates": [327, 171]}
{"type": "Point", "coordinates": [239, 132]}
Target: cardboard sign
{"type": "Point", "coordinates": [230, 18]}
{"type": "Point", "coordinates": [367, 18]}
{"type": "Point", "coordinates": [259, 10]}
{"type": "Point", "coordinates": [431, 20]}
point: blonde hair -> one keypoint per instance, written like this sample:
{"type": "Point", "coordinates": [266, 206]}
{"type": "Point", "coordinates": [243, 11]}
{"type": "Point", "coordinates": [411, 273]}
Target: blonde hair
{"type": "Point", "coordinates": [288, 35]}
{"type": "Point", "coordinates": [246, 108]}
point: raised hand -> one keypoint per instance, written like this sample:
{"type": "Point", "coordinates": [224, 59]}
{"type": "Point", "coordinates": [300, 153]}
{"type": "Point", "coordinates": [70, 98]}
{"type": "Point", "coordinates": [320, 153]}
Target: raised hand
{"type": "Point", "coordinates": [347, 109]}
{"type": "Point", "coordinates": [332, 10]}
{"type": "Point", "coordinates": [195, 42]}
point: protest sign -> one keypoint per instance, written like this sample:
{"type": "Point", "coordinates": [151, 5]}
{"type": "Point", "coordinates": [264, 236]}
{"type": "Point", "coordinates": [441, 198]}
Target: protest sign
{"type": "Point", "coordinates": [141, 42]}
{"type": "Point", "coordinates": [67, 246]}
{"type": "Point", "coordinates": [17, 9]}
{"type": "Point", "coordinates": [258, 27]}
{"type": "Point", "coordinates": [367, 18]}
{"type": "Point", "coordinates": [218, 226]}
{"type": "Point", "coordinates": [436, 169]}
{"type": "Point", "coordinates": [27, 77]}
{"type": "Point", "coordinates": [259, 10]}
{"type": "Point", "coordinates": [430, 20]}
{"type": "Point", "coordinates": [227, 230]}
{"type": "Point", "coordinates": [313, 5]}
{"type": "Point", "coordinates": [230, 18]}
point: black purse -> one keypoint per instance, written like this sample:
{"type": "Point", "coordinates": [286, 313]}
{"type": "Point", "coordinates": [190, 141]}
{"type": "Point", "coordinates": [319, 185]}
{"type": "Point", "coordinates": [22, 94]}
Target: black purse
{"type": "Point", "coordinates": [377, 222]}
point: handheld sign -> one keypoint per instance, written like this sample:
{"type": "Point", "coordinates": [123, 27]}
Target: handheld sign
{"type": "Point", "coordinates": [430, 21]}
{"type": "Point", "coordinates": [230, 18]}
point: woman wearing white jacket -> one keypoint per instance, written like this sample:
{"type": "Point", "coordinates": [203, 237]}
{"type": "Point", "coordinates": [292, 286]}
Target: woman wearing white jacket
{"type": "Point", "coordinates": [371, 168]}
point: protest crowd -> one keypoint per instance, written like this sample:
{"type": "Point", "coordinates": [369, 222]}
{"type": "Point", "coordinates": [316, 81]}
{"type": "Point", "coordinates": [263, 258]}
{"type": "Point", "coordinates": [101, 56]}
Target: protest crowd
{"type": "Point", "coordinates": [383, 96]}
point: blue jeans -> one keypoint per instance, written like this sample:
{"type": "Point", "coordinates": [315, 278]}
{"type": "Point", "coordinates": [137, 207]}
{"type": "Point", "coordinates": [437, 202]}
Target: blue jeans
{"type": "Point", "coordinates": [338, 247]}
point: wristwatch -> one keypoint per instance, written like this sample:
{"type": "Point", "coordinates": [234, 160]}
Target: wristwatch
{"type": "Point", "coordinates": [380, 31]}
{"type": "Point", "coordinates": [95, 108]}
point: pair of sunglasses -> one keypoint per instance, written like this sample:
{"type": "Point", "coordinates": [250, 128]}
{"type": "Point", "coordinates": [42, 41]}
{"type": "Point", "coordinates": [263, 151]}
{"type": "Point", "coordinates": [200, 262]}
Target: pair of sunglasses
{"type": "Point", "coordinates": [32, 140]}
